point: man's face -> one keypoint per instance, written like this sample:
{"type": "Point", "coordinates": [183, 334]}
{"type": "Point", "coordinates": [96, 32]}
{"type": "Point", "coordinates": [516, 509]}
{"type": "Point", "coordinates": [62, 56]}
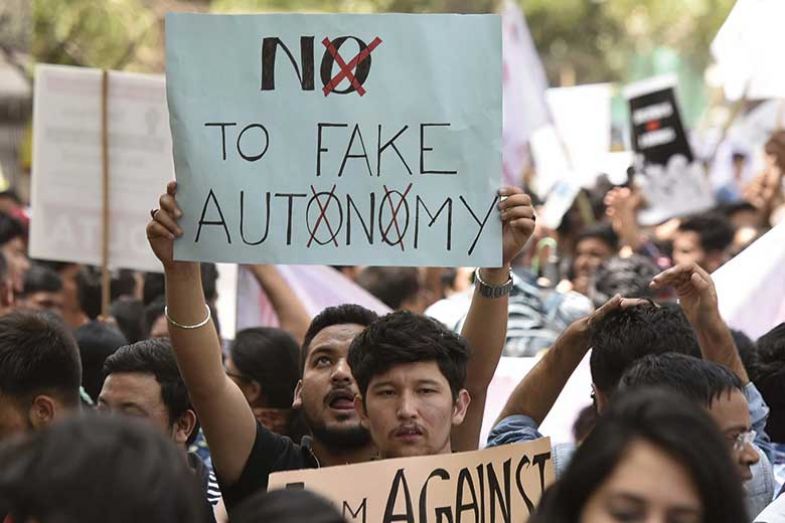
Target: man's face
{"type": "Point", "coordinates": [137, 394]}
{"type": "Point", "coordinates": [44, 301]}
{"type": "Point", "coordinates": [327, 390]}
{"type": "Point", "coordinates": [18, 262]}
{"type": "Point", "coordinates": [589, 254]}
{"type": "Point", "coordinates": [409, 410]}
{"type": "Point", "coordinates": [731, 413]}
{"type": "Point", "coordinates": [687, 248]}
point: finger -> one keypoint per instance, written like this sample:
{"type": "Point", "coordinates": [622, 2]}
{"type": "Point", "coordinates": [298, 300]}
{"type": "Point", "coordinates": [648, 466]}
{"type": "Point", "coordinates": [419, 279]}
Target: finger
{"type": "Point", "coordinates": [627, 303]}
{"type": "Point", "coordinates": [171, 188]}
{"type": "Point", "coordinates": [156, 230]}
{"type": "Point", "coordinates": [524, 225]}
{"type": "Point", "coordinates": [167, 221]}
{"type": "Point", "coordinates": [520, 211]}
{"type": "Point", "coordinates": [169, 205]}
{"type": "Point", "coordinates": [605, 308]}
{"type": "Point", "coordinates": [515, 200]}
{"type": "Point", "coordinates": [509, 191]}
{"type": "Point", "coordinates": [673, 274]}
{"type": "Point", "coordinates": [700, 282]}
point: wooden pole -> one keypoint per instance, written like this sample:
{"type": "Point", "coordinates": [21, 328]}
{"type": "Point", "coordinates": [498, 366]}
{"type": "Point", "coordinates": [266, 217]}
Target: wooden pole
{"type": "Point", "coordinates": [105, 276]}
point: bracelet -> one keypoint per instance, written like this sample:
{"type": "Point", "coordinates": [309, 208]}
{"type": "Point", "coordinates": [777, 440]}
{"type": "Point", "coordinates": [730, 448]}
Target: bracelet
{"type": "Point", "coordinates": [487, 290]}
{"type": "Point", "coordinates": [188, 327]}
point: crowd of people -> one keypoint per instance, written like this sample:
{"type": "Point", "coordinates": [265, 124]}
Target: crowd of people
{"type": "Point", "coordinates": [148, 414]}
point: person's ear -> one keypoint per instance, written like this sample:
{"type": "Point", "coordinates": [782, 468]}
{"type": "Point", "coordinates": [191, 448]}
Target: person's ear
{"type": "Point", "coordinates": [43, 411]}
{"type": "Point", "coordinates": [461, 406]}
{"type": "Point", "coordinates": [184, 426]}
{"type": "Point", "coordinates": [600, 399]}
{"type": "Point", "coordinates": [297, 402]}
{"type": "Point", "coordinates": [362, 413]}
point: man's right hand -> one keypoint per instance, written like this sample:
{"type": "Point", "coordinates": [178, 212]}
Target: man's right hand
{"type": "Point", "coordinates": [163, 229]}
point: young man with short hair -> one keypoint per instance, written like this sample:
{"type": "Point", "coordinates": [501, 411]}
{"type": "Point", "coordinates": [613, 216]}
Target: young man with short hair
{"type": "Point", "coordinates": [142, 380]}
{"type": "Point", "coordinates": [243, 452]}
{"type": "Point", "coordinates": [410, 372]}
{"type": "Point", "coordinates": [40, 371]}
{"type": "Point", "coordinates": [704, 239]}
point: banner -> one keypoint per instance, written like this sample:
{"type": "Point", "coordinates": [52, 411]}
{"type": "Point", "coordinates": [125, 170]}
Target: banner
{"type": "Point", "coordinates": [66, 176]}
{"type": "Point", "coordinates": [337, 139]}
{"type": "Point", "coordinates": [672, 182]}
{"type": "Point", "coordinates": [498, 484]}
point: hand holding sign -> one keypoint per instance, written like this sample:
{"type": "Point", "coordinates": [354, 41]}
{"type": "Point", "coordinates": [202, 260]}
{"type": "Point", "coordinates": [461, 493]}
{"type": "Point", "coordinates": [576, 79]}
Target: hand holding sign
{"type": "Point", "coordinates": [695, 290]}
{"type": "Point", "coordinates": [163, 228]}
{"type": "Point", "coordinates": [518, 219]}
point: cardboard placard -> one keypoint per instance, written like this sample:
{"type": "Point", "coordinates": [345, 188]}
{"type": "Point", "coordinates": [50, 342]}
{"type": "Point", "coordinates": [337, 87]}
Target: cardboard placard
{"type": "Point", "coordinates": [337, 139]}
{"type": "Point", "coordinates": [497, 484]}
{"type": "Point", "coordinates": [66, 179]}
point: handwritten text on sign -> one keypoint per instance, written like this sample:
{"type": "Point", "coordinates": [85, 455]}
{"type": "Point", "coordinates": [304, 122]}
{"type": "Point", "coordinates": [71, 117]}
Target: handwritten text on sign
{"type": "Point", "coordinates": [493, 485]}
{"type": "Point", "coordinates": [338, 139]}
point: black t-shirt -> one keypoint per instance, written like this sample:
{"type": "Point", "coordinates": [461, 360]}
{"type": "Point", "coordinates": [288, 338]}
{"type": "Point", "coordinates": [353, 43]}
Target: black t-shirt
{"type": "Point", "coordinates": [271, 452]}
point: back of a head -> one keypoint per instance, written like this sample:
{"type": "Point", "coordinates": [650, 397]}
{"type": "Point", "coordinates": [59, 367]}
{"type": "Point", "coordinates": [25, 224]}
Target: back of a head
{"type": "Point", "coordinates": [714, 230]}
{"type": "Point", "coordinates": [699, 380]}
{"type": "Point", "coordinates": [270, 357]}
{"type": "Point", "coordinates": [38, 355]}
{"type": "Point", "coordinates": [88, 282]}
{"type": "Point", "coordinates": [628, 277]}
{"type": "Point", "coordinates": [129, 314]}
{"type": "Point", "coordinates": [393, 286]}
{"type": "Point", "coordinates": [346, 314]}
{"type": "Point", "coordinates": [664, 420]}
{"type": "Point", "coordinates": [93, 469]}
{"type": "Point", "coordinates": [287, 506]}
{"type": "Point", "coordinates": [625, 336]}
{"type": "Point", "coordinates": [402, 337]}
{"type": "Point", "coordinates": [155, 357]}
{"type": "Point", "coordinates": [10, 228]}
{"type": "Point", "coordinates": [97, 341]}
{"type": "Point", "coordinates": [40, 278]}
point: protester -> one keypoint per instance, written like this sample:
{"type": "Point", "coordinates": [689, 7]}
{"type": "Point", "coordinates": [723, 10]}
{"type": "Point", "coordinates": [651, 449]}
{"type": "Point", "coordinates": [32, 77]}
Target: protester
{"type": "Point", "coordinates": [72, 310]}
{"type": "Point", "coordinates": [593, 245]}
{"type": "Point", "coordinates": [95, 469]}
{"type": "Point", "coordinates": [641, 463]}
{"type": "Point", "coordinates": [628, 277]}
{"type": "Point", "coordinates": [129, 314]}
{"type": "Point", "coordinates": [142, 380]}
{"type": "Point", "coordinates": [264, 363]}
{"type": "Point", "coordinates": [13, 239]}
{"type": "Point", "coordinates": [704, 239]}
{"type": "Point", "coordinates": [97, 341]}
{"type": "Point", "coordinates": [244, 453]}
{"type": "Point", "coordinates": [287, 506]}
{"type": "Point", "coordinates": [620, 333]}
{"type": "Point", "coordinates": [42, 290]}
{"type": "Point", "coordinates": [154, 321]}
{"type": "Point", "coordinates": [410, 373]}
{"type": "Point", "coordinates": [88, 281]}
{"type": "Point", "coordinates": [40, 372]}
{"type": "Point", "coordinates": [770, 379]}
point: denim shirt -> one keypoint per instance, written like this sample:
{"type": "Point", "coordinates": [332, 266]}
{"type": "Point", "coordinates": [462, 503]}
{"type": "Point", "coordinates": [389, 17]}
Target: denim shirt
{"type": "Point", "coordinates": [759, 490]}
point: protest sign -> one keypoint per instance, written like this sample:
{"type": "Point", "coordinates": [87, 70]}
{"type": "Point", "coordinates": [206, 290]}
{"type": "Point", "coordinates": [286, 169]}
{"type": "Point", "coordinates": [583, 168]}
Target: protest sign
{"type": "Point", "coordinates": [66, 180]}
{"type": "Point", "coordinates": [498, 484]}
{"type": "Point", "coordinates": [751, 286]}
{"type": "Point", "coordinates": [337, 139]}
{"type": "Point", "coordinates": [672, 182]}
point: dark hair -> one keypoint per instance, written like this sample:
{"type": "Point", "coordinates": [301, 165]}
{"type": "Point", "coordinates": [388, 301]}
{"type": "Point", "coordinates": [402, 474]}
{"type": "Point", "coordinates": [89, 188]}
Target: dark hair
{"type": "Point", "coordinates": [699, 380]}
{"type": "Point", "coordinates": [154, 285]}
{"type": "Point", "coordinates": [88, 282]}
{"type": "Point", "coordinates": [770, 379]}
{"type": "Point", "coordinates": [155, 357]}
{"type": "Point", "coordinates": [600, 231]}
{"type": "Point", "coordinates": [38, 355]}
{"type": "Point", "coordinates": [346, 314]}
{"type": "Point", "coordinates": [270, 357]}
{"type": "Point", "coordinates": [209, 272]}
{"type": "Point", "coordinates": [747, 350]}
{"type": "Point", "coordinates": [287, 506]}
{"type": "Point", "coordinates": [402, 337]}
{"type": "Point", "coordinates": [97, 341]}
{"type": "Point", "coordinates": [11, 228]}
{"type": "Point", "coordinates": [391, 285]}
{"type": "Point", "coordinates": [629, 277]}
{"type": "Point", "coordinates": [663, 419]}
{"type": "Point", "coordinates": [3, 268]}
{"type": "Point", "coordinates": [152, 312]}
{"type": "Point", "coordinates": [129, 312]}
{"type": "Point", "coordinates": [624, 336]}
{"type": "Point", "coordinates": [41, 279]}
{"type": "Point", "coordinates": [92, 469]}
{"type": "Point", "coordinates": [713, 229]}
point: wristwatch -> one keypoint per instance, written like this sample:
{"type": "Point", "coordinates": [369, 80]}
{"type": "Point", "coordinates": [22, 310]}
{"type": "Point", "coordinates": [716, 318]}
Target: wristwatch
{"type": "Point", "coordinates": [492, 291]}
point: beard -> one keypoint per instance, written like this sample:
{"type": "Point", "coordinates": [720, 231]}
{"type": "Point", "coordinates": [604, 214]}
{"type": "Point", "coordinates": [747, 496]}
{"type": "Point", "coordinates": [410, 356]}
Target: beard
{"type": "Point", "coordinates": [347, 438]}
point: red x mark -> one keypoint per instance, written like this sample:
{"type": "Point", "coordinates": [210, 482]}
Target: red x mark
{"type": "Point", "coordinates": [323, 215]}
{"type": "Point", "coordinates": [346, 69]}
{"type": "Point", "coordinates": [394, 221]}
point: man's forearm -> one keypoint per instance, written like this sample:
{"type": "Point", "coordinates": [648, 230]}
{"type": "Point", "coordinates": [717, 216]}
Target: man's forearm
{"type": "Point", "coordinates": [717, 345]}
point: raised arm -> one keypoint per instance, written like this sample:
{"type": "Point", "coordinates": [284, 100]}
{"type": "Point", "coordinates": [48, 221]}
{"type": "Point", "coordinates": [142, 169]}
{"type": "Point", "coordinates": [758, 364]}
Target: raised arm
{"type": "Point", "coordinates": [228, 422]}
{"type": "Point", "coordinates": [698, 299]}
{"type": "Point", "coordinates": [291, 312]}
{"type": "Point", "coordinates": [538, 390]}
{"type": "Point", "coordinates": [485, 327]}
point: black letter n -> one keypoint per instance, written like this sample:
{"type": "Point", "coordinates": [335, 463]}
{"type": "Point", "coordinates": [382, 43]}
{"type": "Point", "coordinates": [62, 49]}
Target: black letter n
{"type": "Point", "coordinates": [269, 51]}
